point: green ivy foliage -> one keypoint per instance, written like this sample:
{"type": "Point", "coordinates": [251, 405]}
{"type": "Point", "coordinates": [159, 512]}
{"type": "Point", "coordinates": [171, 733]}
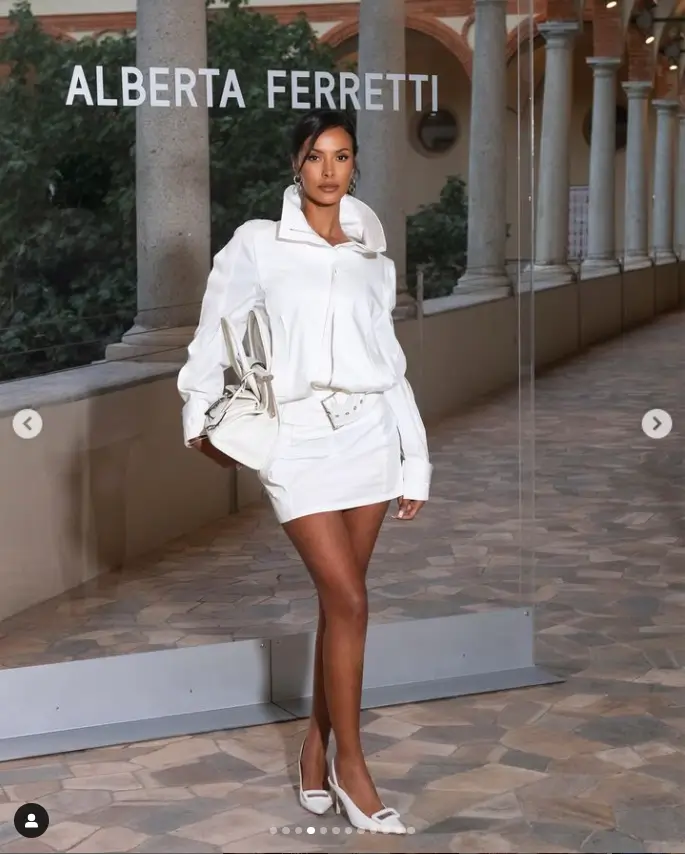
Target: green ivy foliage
{"type": "Point", "coordinates": [436, 240]}
{"type": "Point", "coordinates": [67, 182]}
{"type": "Point", "coordinates": [67, 204]}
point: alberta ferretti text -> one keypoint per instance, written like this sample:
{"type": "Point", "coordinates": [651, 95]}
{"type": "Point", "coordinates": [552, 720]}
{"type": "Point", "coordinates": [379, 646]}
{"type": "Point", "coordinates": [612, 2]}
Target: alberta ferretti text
{"type": "Point", "coordinates": [179, 87]}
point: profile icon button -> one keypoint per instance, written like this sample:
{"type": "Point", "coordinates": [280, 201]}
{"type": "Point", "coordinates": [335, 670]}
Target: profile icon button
{"type": "Point", "coordinates": [31, 820]}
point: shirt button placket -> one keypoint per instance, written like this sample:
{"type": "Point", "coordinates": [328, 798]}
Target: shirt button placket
{"type": "Point", "coordinates": [334, 275]}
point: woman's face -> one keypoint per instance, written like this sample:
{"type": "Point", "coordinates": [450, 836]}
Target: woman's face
{"type": "Point", "coordinates": [327, 169]}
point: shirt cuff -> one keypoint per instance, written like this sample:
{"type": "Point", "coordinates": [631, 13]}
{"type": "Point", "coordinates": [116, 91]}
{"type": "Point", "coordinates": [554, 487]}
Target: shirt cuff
{"type": "Point", "coordinates": [416, 477]}
{"type": "Point", "coordinates": [194, 420]}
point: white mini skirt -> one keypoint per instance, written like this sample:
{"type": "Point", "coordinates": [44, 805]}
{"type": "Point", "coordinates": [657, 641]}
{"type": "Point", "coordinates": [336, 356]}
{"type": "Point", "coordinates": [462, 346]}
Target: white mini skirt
{"type": "Point", "coordinates": [315, 468]}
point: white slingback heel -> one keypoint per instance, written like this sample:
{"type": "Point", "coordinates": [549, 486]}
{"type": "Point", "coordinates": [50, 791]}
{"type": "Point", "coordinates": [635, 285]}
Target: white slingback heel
{"type": "Point", "coordinates": [317, 801]}
{"type": "Point", "coordinates": [386, 820]}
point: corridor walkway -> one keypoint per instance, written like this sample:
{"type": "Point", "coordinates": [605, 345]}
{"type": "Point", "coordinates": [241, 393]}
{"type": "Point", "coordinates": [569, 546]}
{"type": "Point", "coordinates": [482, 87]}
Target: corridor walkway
{"type": "Point", "coordinates": [594, 764]}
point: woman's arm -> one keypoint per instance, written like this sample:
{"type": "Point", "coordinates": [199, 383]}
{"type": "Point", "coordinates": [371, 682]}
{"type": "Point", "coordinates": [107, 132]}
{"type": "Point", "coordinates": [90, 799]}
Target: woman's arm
{"type": "Point", "coordinates": [232, 290]}
{"type": "Point", "coordinates": [416, 467]}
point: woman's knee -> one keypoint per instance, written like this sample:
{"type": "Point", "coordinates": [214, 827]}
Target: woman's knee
{"type": "Point", "coordinates": [350, 603]}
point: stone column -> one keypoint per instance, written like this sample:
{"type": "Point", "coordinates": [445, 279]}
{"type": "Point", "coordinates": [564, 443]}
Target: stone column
{"type": "Point", "coordinates": [636, 216]}
{"type": "Point", "coordinates": [680, 190]}
{"type": "Point", "coordinates": [487, 192]}
{"type": "Point", "coordinates": [382, 133]}
{"type": "Point", "coordinates": [662, 216]}
{"type": "Point", "coordinates": [601, 242]}
{"type": "Point", "coordinates": [551, 230]}
{"type": "Point", "coordinates": [172, 184]}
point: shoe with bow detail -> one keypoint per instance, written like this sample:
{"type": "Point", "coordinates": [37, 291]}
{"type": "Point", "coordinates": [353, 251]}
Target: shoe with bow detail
{"type": "Point", "coordinates": [385, 820]}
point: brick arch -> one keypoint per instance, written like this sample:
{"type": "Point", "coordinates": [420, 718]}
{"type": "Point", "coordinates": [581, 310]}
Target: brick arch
{"type": "Point", "coordinates": [628, 9]}
{"type": "Point", "coordinates": [641, 58]}
{"type": "Point", "coordinates": [455, 43]}
{"type": "Point", "coordinates": [109, 31]}
{"type": "Point", "coordinates": [664, 9]}
{"type": "Point", "coordinates": [56, 32]}
{"type": "Point", "coordinates": [521, 34]}
{"type": "Point", "coordinates": [466, 26]}
{"type": "Point", "coordinates": [665, 80]}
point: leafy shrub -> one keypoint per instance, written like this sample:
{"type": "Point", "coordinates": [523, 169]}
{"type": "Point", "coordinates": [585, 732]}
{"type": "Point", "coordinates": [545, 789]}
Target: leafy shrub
{"type": "Point", "coordinates": [67, 205]}
{"type": "Point", "coordinates": [436, 241]}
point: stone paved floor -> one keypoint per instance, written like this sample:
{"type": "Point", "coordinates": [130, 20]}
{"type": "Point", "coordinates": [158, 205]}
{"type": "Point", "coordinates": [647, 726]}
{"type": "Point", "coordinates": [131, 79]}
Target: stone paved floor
{"type": "Point", "coordinates": [594, 764]}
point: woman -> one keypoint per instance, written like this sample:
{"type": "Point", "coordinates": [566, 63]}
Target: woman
{"type": "Point", "coordinates": [350, 439]}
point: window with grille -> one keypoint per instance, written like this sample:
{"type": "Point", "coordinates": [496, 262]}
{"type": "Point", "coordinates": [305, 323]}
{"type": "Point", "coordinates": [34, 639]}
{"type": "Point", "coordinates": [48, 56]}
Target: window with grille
{"type": "Point", "coordinates": [579, 202]}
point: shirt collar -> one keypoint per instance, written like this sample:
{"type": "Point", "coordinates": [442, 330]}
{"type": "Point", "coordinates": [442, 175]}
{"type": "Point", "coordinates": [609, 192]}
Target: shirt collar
{"type": "Point", "coordinates": [357, 219]}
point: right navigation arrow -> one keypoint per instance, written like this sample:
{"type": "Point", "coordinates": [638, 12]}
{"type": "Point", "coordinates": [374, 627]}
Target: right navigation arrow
{"type": "Point", "coordinates": [657, 423]}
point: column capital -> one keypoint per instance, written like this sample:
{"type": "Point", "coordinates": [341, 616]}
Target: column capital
{"type": "Point", "coordinates": [637, 89]}
{"type": "Point", "coordinates": [665, 105]}
{"type": "Point", "coordinates": [604, 66]}
{"type": "Point", "coordinates": [559, 33]}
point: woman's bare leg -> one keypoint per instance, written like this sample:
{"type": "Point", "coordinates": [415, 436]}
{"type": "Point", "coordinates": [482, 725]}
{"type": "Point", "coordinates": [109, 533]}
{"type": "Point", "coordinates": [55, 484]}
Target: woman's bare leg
{"type": "Point", "coordinates": [363, 525]}
{"type": "Point", "coordinates": [336, 548]}
{"type": "Point", "coordinates": [314, 767]}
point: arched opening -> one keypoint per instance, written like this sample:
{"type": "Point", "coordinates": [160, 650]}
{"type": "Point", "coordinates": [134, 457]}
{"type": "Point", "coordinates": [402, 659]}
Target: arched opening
{"type": "Point", "coordinates": [437, 139]}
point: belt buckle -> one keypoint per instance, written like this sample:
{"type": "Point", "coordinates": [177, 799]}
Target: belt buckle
{"type": "Point", "coordinates": [342, 412]}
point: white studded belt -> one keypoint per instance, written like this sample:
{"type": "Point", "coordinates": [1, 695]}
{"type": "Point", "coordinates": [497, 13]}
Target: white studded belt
{"type": "Point", "coordinates": [342, 408]}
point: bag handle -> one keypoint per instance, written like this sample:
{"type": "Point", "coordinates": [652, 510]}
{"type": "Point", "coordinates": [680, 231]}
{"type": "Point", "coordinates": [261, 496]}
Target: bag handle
{"type": "Point", "coordinates": [259, 339]}
{"type": "Point", "coordinates": [234, 350]}
{"type": "Point", "coordinates": [248, 366]}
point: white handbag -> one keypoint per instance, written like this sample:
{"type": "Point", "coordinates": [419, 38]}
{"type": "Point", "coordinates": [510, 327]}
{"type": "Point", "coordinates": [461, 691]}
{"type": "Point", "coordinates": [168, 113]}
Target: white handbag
{"type": "Point", "coordinates": [243, 422]}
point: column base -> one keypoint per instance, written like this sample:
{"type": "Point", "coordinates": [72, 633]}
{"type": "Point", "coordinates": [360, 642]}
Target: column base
{"type": "Point", "coordinates": [664, 256]}
{"type": "Point", "coordinates": [550, 275]}
{"type": "Point", "coordinates": [489, 280]}
{"type": "Point", "coordinates": [636, 262]}
{"type": "Point", "coordinates": [152, 345]}
{"type": "Point", "coordinates": [593, 268]}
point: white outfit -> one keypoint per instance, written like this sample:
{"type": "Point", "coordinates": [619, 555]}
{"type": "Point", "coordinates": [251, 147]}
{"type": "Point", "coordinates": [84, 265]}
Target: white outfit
{"type": "Point", "coordinates": [330, 312]}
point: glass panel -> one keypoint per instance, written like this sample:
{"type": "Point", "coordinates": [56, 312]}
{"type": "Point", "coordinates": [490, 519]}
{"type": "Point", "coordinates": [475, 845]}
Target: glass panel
{"type": "Point", "coordinates": [116, 194]}
{"type": "Point", "coordinates": [606, 286]}
{"type": "Point", "coordinates": [526, 74]}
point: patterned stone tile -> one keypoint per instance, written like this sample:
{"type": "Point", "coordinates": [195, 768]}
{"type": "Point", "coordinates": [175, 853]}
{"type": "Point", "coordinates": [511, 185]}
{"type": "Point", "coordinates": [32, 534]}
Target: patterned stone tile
{"type": "Point", "coordinates": [568, 811]}
{"type": "Point", "coordinates": [519, 759]}
{"type": "Point", "coordinates": [229, 826]}
{"type": "Point", "coordinates": [67, 834]}
{"type": "Point", "coordinates": [173, 845]}
{"type": "Point", "coordinates": [626, 730]}
{"type": "Point", "coordinates": [631, 787]}
{"type": "Point", "coordinates": [109, 839]}
{"type": "Point", "coordinates": [660, 823]}
{"type": "Point", "coordinates": [610, 840]}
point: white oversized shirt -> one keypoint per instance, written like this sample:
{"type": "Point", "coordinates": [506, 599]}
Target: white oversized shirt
{"type": "Point", "coordinates": [330, 312]}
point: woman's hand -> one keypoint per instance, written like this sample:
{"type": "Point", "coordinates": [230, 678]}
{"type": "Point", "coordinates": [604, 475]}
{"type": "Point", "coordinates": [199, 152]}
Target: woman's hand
{"type": "Point", "coordinates": [408, 509]}
{"type": "Point", "coordinates": [204, 446]}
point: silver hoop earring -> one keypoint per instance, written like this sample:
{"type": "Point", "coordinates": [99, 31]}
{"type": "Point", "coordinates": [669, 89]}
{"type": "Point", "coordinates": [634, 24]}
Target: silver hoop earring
{"type": "Point", "coordinates": [297, 179]}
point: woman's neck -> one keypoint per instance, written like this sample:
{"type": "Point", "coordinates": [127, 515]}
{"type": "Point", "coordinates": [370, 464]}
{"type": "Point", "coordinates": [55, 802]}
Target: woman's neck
{"type": "Point", "coordinates": [323, 219]}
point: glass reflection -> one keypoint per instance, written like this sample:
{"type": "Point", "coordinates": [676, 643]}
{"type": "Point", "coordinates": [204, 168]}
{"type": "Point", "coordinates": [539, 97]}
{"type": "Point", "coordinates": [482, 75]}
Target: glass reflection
{"type": "Point", "coordinates": [131, 199]}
